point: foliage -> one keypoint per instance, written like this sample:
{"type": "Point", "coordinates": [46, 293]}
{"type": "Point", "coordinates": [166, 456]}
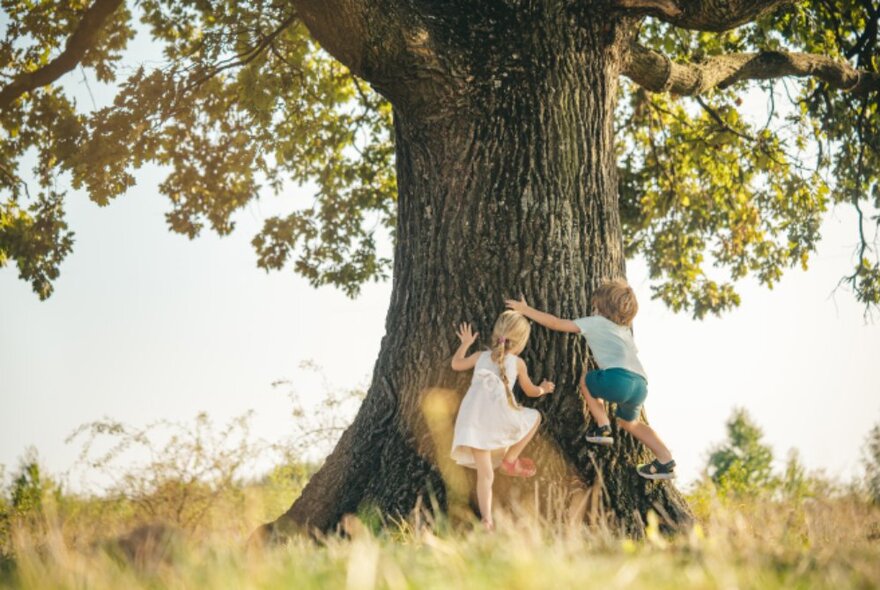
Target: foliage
{"type": "Point", "coordinates": [193, 476]}
{"type": "Point", "coordinates": [743, 463]}
{"type": "Point", "coordinates": [795, 482]}
{"type": "Point", "coordinates": [316, 427]}
{"type": "Point", "coordinates": [174, 472]}
{"type": "Point", "coordinates": [244, 100]}
{"type": "Point", "coordinates": [180, 473]}
{"type": "Point", "coordinates": [742, 467]}
{"type": "Point", "coordinates": [701, 185]}
{"type": "Point", "coordinates": [244, 103]}
{"type": "Point", "coordinates": [872, 463]}
{"type": "Point", "coordinates": [23, 502]}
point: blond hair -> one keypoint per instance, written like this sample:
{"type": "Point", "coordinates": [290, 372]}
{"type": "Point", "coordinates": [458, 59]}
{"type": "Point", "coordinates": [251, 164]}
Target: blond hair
{"type": "Point", "coordinates": [616, 300]}
{"type": "Point", "coordinates": [511, 332]}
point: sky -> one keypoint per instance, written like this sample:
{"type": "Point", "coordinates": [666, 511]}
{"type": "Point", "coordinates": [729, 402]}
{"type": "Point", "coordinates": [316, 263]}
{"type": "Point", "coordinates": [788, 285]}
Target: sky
{"type": "Point", "coordinates": [145, 325]}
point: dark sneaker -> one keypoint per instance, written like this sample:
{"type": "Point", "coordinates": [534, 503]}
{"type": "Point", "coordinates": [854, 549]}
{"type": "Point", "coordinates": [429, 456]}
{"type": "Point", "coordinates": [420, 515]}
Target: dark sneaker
{"type": "Point", "coordinates": [657, 470]}
{"type": "Point", "coordinates": [600, 435]}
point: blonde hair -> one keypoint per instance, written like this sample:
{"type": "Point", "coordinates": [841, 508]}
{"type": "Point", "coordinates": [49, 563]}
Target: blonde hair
{"type": "Point", "coordinates": [616, 300]}
{"type": "Point", "coordinates": [511, 332]}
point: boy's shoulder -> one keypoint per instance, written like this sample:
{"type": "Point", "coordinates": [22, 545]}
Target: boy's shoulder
{"type": "Point", "coordinates": [597, 321]}
{"type": "Point", "coordinates": [588, 320]}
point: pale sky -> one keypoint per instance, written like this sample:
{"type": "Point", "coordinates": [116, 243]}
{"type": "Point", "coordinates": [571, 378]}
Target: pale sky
{"type": "Point", "coordinates": [145, 324]}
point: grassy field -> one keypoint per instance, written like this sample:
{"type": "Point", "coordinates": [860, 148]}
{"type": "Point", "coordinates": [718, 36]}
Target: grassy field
{"type": "Point", "coordinates": [182, 520]}
{"type": "Point", "coordinates": [748, 543]}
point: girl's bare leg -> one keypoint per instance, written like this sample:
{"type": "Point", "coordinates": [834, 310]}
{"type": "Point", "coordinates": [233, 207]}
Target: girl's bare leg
{"type": "Point", "coordinates": [595, 406]}
{"type": "Point", "coordinates": [649, 438]}
{"type": "Point", "coordinates": [485, 477]}
{"type": "Point", "coordinates": [513, 452]}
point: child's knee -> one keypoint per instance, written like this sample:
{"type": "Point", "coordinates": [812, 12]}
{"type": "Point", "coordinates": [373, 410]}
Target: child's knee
{"type": "Point", "coordinates": [627, 425]}
{"type": "Point", "coordinates": [486, 476]}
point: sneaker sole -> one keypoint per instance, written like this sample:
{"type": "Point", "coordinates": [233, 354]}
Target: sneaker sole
{"type": "Point", "coordinates": [655, 476]}
{"type": "Point", "coordinates": [600, 440]}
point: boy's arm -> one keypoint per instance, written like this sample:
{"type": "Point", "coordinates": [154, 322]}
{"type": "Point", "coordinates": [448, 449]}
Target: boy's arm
{"type": "Point", "coordinates": [545, 319]}
{"type": "Point", "coordinates": [529, 388]}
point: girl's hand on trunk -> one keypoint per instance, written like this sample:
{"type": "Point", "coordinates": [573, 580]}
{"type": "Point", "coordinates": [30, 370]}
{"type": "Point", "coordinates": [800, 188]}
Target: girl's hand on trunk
{"type": "Point", "coordinates": [547, 386]}
{"type": "Point", "coordinates": [466, 334]}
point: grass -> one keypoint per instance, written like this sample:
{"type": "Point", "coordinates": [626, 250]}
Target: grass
{"type": "Point", "coordinates": [738, 543]}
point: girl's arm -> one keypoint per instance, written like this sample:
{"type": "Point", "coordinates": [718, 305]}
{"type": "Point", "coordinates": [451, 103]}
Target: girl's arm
{"type": "Point", "coordinates": [545, 319]}
{"type": "Point", "coordinates": [459, 361]}
{"type": "Point", "coordinates": [530, 389]}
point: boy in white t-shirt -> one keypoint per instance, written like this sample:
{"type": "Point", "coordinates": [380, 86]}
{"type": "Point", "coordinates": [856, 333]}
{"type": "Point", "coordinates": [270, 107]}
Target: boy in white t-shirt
{"type": "Point", "coordinates": [620, 377]}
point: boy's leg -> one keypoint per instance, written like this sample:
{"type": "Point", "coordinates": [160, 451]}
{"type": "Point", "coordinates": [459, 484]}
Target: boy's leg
{"type": "Point", "coordinates": [648, 437]}
{"type": "Point", "coordinates": [596, 407]}
{"type": "Point", "coordinates": [485, 477]}
{"type": "Point", "coordinates": [513, 452]}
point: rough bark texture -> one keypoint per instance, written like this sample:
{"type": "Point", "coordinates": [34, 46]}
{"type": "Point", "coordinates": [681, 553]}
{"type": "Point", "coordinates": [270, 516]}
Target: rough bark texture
{"type": "Point", "coordinates": [704, 15]}
{"type": "Point", "coordinates": [507, 184]}
{"type": "Point", "coordinates": [656, 72]}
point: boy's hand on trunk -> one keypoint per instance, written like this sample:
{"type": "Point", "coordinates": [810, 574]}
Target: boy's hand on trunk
{"type": "Point", "coordinates": [519, 306]}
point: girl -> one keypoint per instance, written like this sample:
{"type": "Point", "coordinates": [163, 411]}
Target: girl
{"type": "Point", "coordinates": [491, 427]}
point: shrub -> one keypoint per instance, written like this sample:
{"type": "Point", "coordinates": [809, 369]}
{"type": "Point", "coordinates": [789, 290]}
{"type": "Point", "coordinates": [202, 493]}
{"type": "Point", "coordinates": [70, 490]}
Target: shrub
{"type": "Point", "coordinates": [872, 463]}
{"type": "Point", "coordinates": [743, 463]}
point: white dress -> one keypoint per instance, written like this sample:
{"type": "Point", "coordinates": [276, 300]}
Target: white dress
{"type": "Point", "coordinates": [485, 419]}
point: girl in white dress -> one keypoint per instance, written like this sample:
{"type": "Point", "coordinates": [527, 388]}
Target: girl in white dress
{"type": "Point", "coordinates": [491, 428]}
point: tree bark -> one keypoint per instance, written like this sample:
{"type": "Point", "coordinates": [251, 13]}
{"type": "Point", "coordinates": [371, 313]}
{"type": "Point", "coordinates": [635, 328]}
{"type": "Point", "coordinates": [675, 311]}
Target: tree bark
{"type": "Point", "coordinates": [507, 185]}
{"type": "Point", "coordinates": [657, 73]}
{"type": "Point", "coordinates": [704, 15]}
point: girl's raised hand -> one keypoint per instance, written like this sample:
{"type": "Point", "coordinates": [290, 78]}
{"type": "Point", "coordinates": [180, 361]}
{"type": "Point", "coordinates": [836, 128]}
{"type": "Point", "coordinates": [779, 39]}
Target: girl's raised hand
{"type": "Point", "coordinates": [466, 334]}
{"type": "Point", "coordinates": [547, 386]}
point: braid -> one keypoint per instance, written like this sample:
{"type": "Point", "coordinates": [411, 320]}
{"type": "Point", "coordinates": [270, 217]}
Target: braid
{"type": "Point", "coordinates": [498, 354]}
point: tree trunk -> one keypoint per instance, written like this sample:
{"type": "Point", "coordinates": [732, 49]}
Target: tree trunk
{"type": "Point", "coordinates": [507, 185]}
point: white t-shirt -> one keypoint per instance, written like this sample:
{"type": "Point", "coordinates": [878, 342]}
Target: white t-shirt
{"type": "Point", "coordinates": [612, 345]}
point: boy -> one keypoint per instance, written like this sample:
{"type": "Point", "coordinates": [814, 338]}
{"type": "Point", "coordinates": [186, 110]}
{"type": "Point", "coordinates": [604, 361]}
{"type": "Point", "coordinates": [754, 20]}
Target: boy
{"type": "Point", "coordinates": [620, 377]}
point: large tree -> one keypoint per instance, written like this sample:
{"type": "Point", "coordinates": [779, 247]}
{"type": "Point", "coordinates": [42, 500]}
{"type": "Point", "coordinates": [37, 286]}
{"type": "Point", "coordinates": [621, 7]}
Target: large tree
{"type": "Point", "coordinates": [507, 145]}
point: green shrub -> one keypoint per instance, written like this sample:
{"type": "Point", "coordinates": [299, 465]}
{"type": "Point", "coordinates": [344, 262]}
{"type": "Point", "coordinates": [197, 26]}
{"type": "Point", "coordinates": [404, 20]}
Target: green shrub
{"type": "Point", "coordinates": [742, 465]}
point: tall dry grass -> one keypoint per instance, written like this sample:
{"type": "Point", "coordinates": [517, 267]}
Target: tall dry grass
{"type": "Point", "coordinates": [738, 543]}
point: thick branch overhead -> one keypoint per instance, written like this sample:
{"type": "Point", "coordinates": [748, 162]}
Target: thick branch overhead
{"type": "Point", "coordinates": [365, 36]}
{"type": "Point", "coordinates": [657, 73]}
{"type": "Point", "coordinates": [703, 15]}
{"type": "Point", "coordinates": [340, 28]}
{"type": "Point", "coordinates": [82, 39]}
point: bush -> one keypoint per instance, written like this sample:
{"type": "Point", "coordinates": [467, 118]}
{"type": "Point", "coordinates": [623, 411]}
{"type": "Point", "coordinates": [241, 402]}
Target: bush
{"type": "Point", "coordinates": [872, 463]}
{"type": "Point", "coordinates": [742, 465]}
{"type": "Point", "coordinates": [171, 472]}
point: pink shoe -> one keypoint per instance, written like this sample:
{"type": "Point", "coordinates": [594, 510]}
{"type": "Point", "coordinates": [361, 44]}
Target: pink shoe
{"type": "Point", "coordinates": [528, 463]}
{"type": "Point", "coordinates": [520, 468]}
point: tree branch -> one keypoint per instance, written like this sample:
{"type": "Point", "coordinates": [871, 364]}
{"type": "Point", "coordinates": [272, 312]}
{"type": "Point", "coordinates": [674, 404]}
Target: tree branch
{"type": "Point", "coordinates": [82, 39]}
{"type": "Point", "coordinates": [340, 26]}
{"type": "Point", "coordinates": [244, 57]}
{"type": "Point", "coordinates": [703, 15]}
{"type": "Point", "coordinates": [382, 42]}
{"type": "Point", "coordinates": [657, 73]}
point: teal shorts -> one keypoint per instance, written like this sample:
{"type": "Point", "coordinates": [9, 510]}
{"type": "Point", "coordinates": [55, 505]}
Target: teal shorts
{"type": "Point", "coordinates": [626, 389]}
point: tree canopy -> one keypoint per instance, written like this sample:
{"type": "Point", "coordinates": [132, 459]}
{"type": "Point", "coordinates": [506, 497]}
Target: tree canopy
{"type": "Point", "coordinates": [244, 101]}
